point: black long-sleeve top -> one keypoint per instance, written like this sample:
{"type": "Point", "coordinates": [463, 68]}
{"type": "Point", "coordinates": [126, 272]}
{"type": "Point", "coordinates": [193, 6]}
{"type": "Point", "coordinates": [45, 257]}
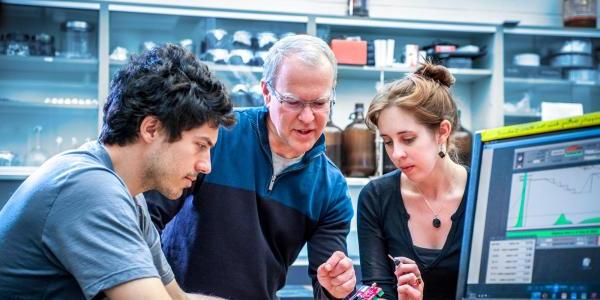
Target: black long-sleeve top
{"type": "Point", "coordinates": [383, 228]}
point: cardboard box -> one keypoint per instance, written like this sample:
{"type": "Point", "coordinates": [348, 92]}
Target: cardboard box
{"type": "Point", "coordinates": [350, 52]}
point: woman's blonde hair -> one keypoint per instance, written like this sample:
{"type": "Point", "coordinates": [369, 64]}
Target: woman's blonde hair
{"type": "Point", "coordinates": [424, 93]}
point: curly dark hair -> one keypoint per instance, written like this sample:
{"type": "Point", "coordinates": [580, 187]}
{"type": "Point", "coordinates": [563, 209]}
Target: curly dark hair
{"type": "Point", "coordinates": [167, 82]}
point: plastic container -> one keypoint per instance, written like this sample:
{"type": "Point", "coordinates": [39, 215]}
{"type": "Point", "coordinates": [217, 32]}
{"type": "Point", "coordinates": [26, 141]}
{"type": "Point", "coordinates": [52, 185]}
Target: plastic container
{"type": "Point", "coordinates": [240, 57]}
{"type": "Point", "coordinates": [218, 56]}
{"type": "Point", "coordinates": [265, 40]}
{"type": "Point", "coordinates": [43, 45]}
{"type": "Point", "coordinates": [76, 42]}
{"type": "Point", "coordinates": [242, 39]}
{"type": "Point", "coordinates": [582, 75]}
{"type": "Point", "coordinates": [188, 44]}
{"type": "Point", "coordinates": [582, 46]}
{"type": "Point", "coordinates": [148, 45]}
{"type": "Point", "coordinates": [527, 59]}
{"type": "Point", "coordinates": [217, 39]}
{"type": "Point", "coordinates": [579, 13]}
{"type": "Point", "coordinates": [286, 34]}
{"type": "Point", "coordinates": [359, 145]}
{"type": "Point", "coordinates": [572, 60]}
{"type": "Point", "coordinates": [457, 62]}
{"type": "Point", "coordinates": [17, 44]}
{"type": "Point", "coordinates": [259, 58]}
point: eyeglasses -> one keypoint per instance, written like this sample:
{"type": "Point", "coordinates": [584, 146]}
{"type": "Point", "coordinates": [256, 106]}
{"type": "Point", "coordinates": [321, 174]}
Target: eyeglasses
{"type": "Point", "coordinates": [296, 105]}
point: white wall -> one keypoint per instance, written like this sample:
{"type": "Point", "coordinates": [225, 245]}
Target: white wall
{"type": "Point", "coordinates": [528, 12]}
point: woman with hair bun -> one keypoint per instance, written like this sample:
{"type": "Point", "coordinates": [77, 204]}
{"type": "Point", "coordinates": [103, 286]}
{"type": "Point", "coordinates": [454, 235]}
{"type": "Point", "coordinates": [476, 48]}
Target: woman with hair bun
{"type": "Point", "coordinates": [414, 214]}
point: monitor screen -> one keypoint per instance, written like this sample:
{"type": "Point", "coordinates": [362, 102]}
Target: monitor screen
{"type": "Point", "coordinates": [533, 219]}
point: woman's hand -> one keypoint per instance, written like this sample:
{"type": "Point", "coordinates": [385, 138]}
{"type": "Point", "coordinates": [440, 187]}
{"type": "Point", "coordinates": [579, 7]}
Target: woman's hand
{"type": "Point", "coordinates": [410, 284]}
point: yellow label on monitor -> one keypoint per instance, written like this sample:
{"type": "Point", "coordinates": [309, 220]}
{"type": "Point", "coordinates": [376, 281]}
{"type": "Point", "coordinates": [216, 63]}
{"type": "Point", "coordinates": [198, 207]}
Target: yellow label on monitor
{"type": "Point", "coordinates": [540, 127]}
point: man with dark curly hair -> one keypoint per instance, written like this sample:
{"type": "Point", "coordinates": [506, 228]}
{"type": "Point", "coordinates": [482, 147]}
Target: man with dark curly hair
{"type": "Point", "coordinates": [78, 227]}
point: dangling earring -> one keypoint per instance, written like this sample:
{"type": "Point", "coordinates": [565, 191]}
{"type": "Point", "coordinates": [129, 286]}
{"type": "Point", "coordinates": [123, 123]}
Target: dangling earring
{"type": "Point", "coordinates": [442, 152]}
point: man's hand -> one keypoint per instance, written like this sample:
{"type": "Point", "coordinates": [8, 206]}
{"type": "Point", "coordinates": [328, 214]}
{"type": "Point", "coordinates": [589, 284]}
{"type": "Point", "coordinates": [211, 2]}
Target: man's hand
{"type": "Point", "coordinates": [336, 275]}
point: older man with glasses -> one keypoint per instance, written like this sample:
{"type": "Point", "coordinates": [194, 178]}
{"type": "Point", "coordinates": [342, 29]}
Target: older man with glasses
{"type": "Point", "coordinates": [273, 191]}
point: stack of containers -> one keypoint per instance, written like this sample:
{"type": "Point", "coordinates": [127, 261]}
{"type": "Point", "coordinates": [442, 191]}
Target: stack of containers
{"type": "Point", "coordinates": [241, 47]}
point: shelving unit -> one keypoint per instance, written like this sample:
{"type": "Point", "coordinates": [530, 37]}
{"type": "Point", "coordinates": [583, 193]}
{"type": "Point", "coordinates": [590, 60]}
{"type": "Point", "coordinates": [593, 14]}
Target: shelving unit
{"type": "Point", "coordinates": [41, 91]}
{"type": "Point", "coordinates": [481, 91]}
{"type": "Point", "coordinates": [540, 83]}
{"type": "Point", "coordinates": [534, 115]}
{"type": "Point", "coordinates": [50, 105]}
{"type": "Point", "coordinates": [48, 64]}
{"type": "Point", "coordinates": [217, 68]}
{"type": "Point", "coordinates": [473, 86]}
{"type": "Point", "coordinates": [370, 73]}
{"type": "Point", "coordinates": [547, 42]}
{"type": "Point", "coordinates": [15, 173]}
{"type": "Point", "coordinates": [529, 82]}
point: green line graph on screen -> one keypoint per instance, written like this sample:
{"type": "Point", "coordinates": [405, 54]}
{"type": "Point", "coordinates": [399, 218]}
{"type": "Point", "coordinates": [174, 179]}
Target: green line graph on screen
{"type": "Point", "coordinates": [555, 199]}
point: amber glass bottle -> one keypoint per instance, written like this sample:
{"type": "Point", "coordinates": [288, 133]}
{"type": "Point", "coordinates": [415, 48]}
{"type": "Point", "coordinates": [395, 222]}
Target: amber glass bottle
{"type": "Point", "coordinates": [580, 13]}
{"type": "Point", "coordinates": [333, 143]}
{"type": "Point", "coordinates": [359, 145]}
{"type": "Point", "coordinates": [388, 165]}
{"type": "Point", "coordinates": [463, 139]}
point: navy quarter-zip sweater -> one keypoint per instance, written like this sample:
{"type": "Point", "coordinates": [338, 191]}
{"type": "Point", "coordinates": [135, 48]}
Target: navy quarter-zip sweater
{"type": "Point", "coordinates": [241, 228]}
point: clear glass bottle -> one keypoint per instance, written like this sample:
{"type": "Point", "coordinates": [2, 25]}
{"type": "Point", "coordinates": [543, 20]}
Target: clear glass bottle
{"type": "Point", "coordinates": [36, 156]}
{"type": "Point", "coordinates": [76, 41]}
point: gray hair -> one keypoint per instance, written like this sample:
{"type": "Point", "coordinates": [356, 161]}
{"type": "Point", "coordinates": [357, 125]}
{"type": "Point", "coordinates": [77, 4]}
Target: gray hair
{"type": "Point", "coordinates": [307, 48]}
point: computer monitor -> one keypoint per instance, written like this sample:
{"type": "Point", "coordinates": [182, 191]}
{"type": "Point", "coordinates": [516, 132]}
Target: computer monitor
{"type": "Point", "coordinates": [532, 227]}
